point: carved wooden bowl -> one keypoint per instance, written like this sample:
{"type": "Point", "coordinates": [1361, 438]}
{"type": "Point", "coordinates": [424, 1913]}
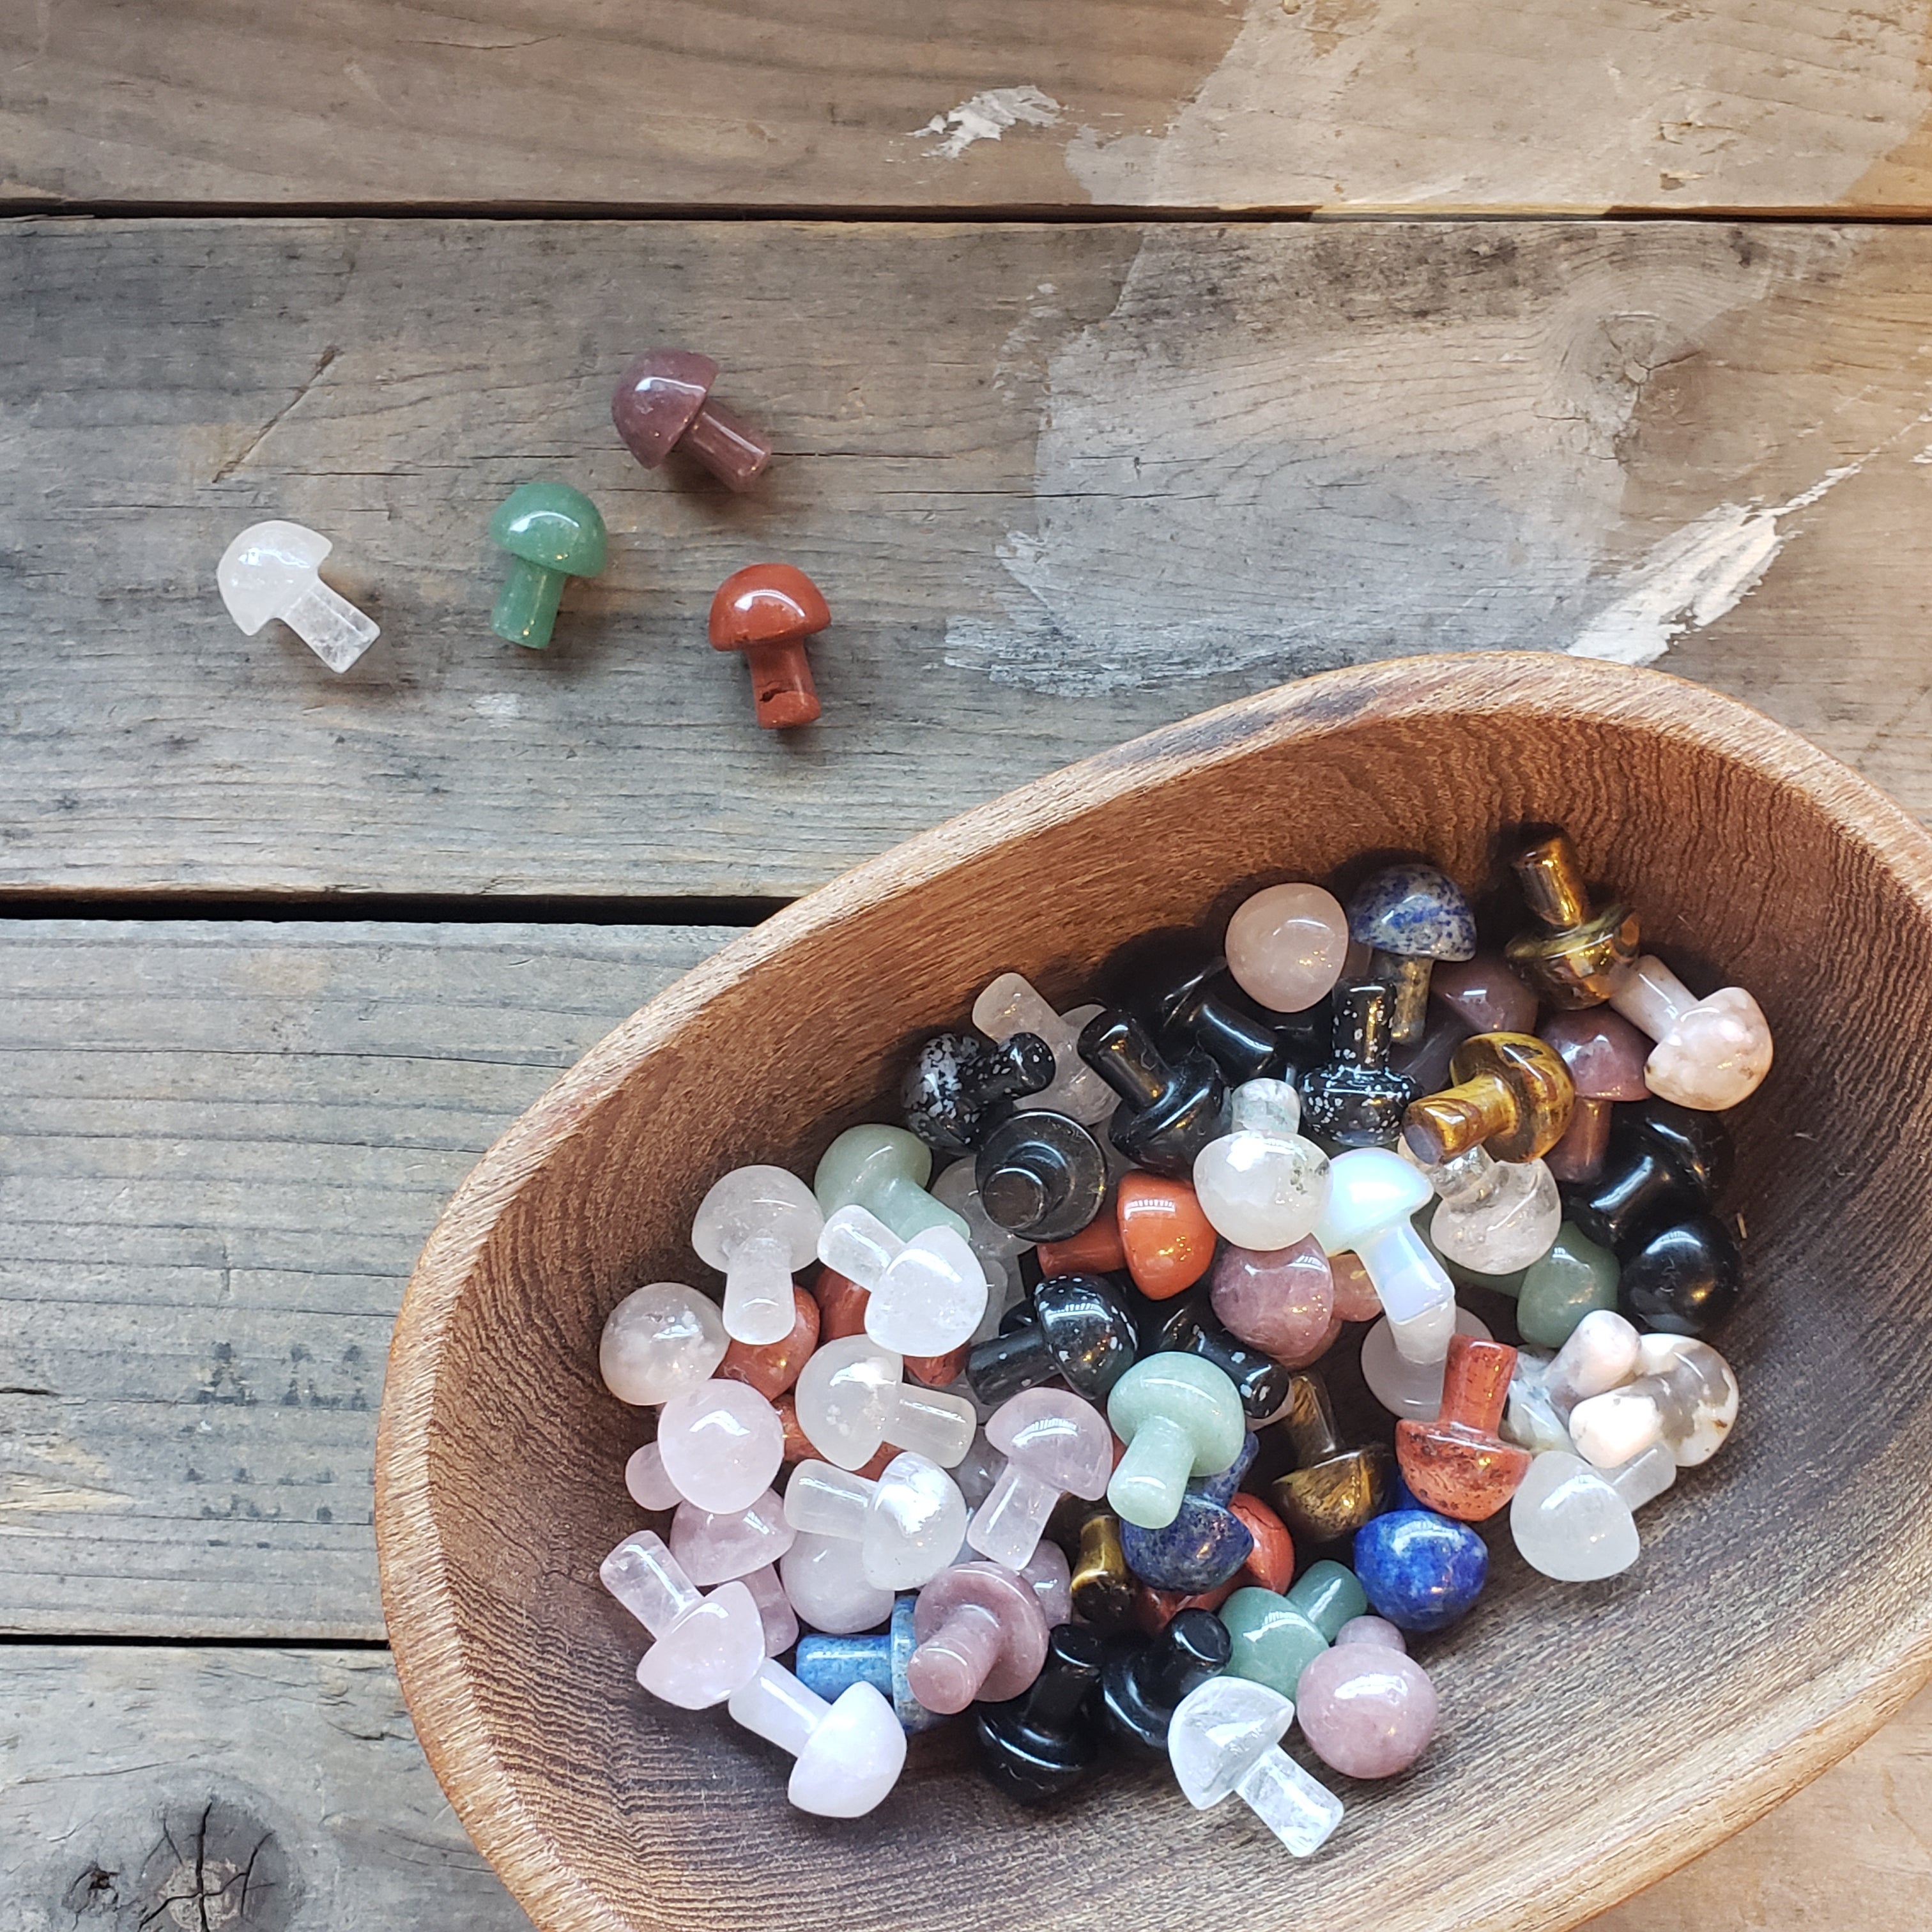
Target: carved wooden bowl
{"type": "Point", "coordinates": [1592, 1738]}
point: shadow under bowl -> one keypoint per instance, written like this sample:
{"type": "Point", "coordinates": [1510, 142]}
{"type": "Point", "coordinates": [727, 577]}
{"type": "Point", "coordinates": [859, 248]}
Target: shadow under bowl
{"type": "Point", "coordinates": [1591, 1738]}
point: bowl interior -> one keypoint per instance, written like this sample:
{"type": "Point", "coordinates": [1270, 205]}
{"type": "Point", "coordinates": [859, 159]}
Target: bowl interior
{"type": "Point", "coordinates": [1591, 1738]}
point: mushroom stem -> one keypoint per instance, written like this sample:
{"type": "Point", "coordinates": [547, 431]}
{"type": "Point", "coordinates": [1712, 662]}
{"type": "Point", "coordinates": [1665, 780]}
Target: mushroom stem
{"type": "Point", "coordinates": [330, 625]}
{"type": "Point", "coordinates": [782, 685]}
{"type": "Point", "coordinates": [728, 446]}
{"type": "Point", "coordinates": [1406, 976]}
{"type": "Point", "coordinates": [526, 606]}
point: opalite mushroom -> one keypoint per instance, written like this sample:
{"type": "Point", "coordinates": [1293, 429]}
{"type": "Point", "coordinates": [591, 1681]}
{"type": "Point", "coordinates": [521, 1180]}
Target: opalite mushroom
{"type": "Point", "coordinates": [1372, 1193]}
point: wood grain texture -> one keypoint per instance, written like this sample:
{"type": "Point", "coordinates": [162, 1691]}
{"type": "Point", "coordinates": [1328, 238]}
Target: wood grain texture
{"type": "Point", "coordinates": [224, 1790]}
{"type": "Point", "coordinates": [119, 1765]}
{"type": "Point", "coordinates": [1332, 105]}
{"type": "Point", "coordinates": [1060, 485]}
{"type": "Point", "coordinates": [221, 1147]}
{"type": "Point", "coordinates": [499, 1454]}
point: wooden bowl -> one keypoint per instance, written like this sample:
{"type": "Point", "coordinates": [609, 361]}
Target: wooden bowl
{"type": "Point", "coordinates": [1592, 1738]}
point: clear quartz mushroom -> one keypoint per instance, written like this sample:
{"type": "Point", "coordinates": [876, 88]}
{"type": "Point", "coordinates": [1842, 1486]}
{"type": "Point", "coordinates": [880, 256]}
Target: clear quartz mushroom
{"type": "Point", "coordinates": [269, 570]}
{"type": "Point", "coordinates": [1575, 1522]}
{"type": "Point", "coordinates": [824, 1585]}
{"type": "Point", "coordinates": [706, 1647]}
{"type": "Point", "coordinates": [927, 1294]}
{"type": "Point", "coordinates": [852, 1397]}
{"type": "Point", "coordinates": [849, 1753]}
{"type": "Point", "coordinates": [1710, 1053]}
{"type": "Point", "coordinates": [1224, 1740]}
{"type": "Point", "coordinates": [757, 1225]}
{"type": "Point", "coordinates": [908, 1525]}
{"type": "Point", "coordinates": [1261, 1184]}
{"type": "Point", "coordinates": [1494, 1216]}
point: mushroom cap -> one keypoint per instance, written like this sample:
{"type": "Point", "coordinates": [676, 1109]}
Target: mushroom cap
{"type": "Point", "coordinates": [1368, 1188]}
{"type": "Point", "coordinates": [553, 526]}
{"type": "Point", "coordinates": [1056, 1438]}
{"type": "Point", "coordinates": [938, 1678]}
{"type": "Point", "coordinates": [1413, 909]}
{"type": "Point", "coordinates": [1087, 1332]}
{"type": "Point", "coordinates": [766, 604]}
{"type": "Point", "coordinates": [853, 1758]}
{"type": "Point", "coordinates": [657, 398]}
{"type": "Point", "coordinates": [1192, 1393]}
{"type": "Point", "coordinates": [265, 569]}
{"type": "Point", "coordinates": [754, 1200]}
{"type": "Point", "coordinates": [716, 1647]}
{"type": "Point", "coordinates": [1219, 1731]}
{"type": "Point", "coordinates": [847, 1395]}
{"type": "Point", "coordinates": [1604, 1052]}
{"type": "Point", "coordinates": [915, 1523]}
{"type": "Point", "coordinates": [866, 1157]}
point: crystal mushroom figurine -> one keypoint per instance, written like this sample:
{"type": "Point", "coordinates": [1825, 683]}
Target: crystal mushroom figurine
{"type": "Point", "coordinates": [1372, 1193]}
{"type": "Point", "coordinates": [663, 401]}
{"type": "Point", "coordinates": [269, 571]}
{"type": "Point", "coordinates": [1494, 1216]}
{"type": "Point", "coordinates": [959, 1086]}
{"type": "Point", "coordinates": [717, 1546]}
{"type": "Point", "coordinates": [849, 1753]}
{"type": "Point", "coordinates": [1573, 954]}
{"type": "Point", "coordinates": [851, 1398]}
{"type": "Point", "coordinates": [1286, 946]}
{"type": "Point", "coordinates": [1036, 1745]}
{"type": "Point", "coordinates": [1354, 1099]}
{"type": "Point", "coordinates": [1410, 916]}
{"type": "Point", "coordinates": [829, 1664]}
{"type": "Point", "coordinates": [908, 1525]}
{"type": "Point", "coordinates": [1260, 1185]}
{"type": "Point", "coordinates": [927, 1293]}
{"type": "Point", "coordinates": [883, 1170]}
{"type": "Point", "coordinates": [1576, 1523]}
{"type": "Point", "coordinates": [552, 532]}
{"type": "Point", "coordinates": [1078, 1331]}
{"type": "Point", "coordinates": [721, 1444]}
{"type": "Point", "coordinates": [1225, 1740]}
{"type": "Point", "coordinates": [1010, 1004]}
{"type": "Point", "coordinates": [1458, 1465]}
{"type": "Point", "coordinates": [1710, 1053]}
{"type": "Point", "coordinates": [1367, 1708]}
{"type": "Point", "coordinates": [767, 611]}
{"type": "Point", "coordinates": [982, 1634]}
{"type": "Point", "coordinates": [1169, 1110]}
{"type": "Point", "coordinates": [704, 1647]}
{"type": "Point", "coordinates": [759, 1224]}
{"type": "Point", "coordinates": [1685, 1397]}
{"type": "Point", "coordinates": [661, 1340]}
{"type": "Point", "coordinates": [1180, 1417]}
{"type": "Point", "coordinates": [825, 1585]}
{"type": "Point", "coordinates": [1055, 1445]}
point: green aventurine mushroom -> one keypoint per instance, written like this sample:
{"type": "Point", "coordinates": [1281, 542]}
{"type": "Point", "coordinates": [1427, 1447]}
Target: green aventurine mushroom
{"type": "Point", "coordinates": [551, 531]}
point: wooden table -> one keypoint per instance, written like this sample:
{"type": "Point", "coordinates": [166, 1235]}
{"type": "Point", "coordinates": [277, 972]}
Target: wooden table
{"type": "Point", "coordinates": [1121, 359]}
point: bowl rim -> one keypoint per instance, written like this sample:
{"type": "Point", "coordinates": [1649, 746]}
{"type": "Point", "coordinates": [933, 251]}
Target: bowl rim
{"type": "Point", "coordinates": [417, 1605]}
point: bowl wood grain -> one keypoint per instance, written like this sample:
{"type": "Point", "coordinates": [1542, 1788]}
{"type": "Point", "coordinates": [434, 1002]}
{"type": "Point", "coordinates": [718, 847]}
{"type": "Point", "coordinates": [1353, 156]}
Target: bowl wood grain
{"type": "Point", "coordinates": [1592, 1738]}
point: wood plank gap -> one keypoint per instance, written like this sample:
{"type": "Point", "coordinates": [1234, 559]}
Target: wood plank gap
{"type": "Point", "coordinates": [18, 1639]}
{"type": "Point", "coordinates": [391, 908]}
{"type": "Point", "coordinates": [1003, 215]}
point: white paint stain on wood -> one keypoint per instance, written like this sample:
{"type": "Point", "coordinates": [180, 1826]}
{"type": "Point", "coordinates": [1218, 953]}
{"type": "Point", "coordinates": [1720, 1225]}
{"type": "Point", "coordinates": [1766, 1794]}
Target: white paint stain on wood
{"type": "Point", "coordinates": [1396, 104]}
{"type": "Point", "coordinates": [986, 117]}
{"type": "Point", "coordinates": [1265, 462]}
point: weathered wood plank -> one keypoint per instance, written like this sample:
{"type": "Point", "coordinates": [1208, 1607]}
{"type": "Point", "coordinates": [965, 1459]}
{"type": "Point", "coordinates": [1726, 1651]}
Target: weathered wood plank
{"type": "Point", "coordinates": [119, 1765]}
{"type": "Point", "coordinates": [1332, 105]}
{"type": "Point", "coordinates": [221, 1148]}
{"type": "Point", "coordinates": [1061, 484]}
{"type": "Point", "coordinates": [285, 1788]}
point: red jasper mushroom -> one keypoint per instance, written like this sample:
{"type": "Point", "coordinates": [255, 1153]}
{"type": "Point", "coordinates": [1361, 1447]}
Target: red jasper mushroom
{"type": "Point", "coordinates": [767, 610]}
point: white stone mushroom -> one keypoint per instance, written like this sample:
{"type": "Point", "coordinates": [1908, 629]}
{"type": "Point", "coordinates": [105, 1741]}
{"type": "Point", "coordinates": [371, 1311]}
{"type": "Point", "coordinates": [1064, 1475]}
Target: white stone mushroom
{"type": "Point", "coordinates": [1225, 1738]}
{"type": "Point", "coordinates": [269, 570]}
{"type": "Point", "coordinates": [757, 1226]}
{"type": "Point", "coordinates": [927, 1294]}
{"type": "Point", "coordinates": [849, 1754]}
